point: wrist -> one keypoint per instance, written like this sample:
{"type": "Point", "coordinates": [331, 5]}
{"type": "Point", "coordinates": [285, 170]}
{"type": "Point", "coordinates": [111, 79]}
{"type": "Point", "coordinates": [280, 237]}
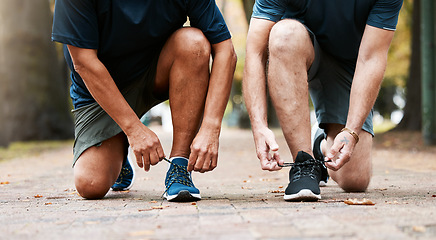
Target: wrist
{"type": "Point", "coordinates": [352, 133]}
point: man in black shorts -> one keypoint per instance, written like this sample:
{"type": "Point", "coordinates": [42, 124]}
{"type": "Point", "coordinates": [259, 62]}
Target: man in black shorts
{"type": "Point", "coordinates": [126, 57]}
{"type": "Point", "coordinates": [337, 51]}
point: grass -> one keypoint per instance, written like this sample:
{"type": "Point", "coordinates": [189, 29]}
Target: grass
{"type": "Point", "coordinates": [384, 127]}
{"type": "Point", "coordinates": [25, 149]}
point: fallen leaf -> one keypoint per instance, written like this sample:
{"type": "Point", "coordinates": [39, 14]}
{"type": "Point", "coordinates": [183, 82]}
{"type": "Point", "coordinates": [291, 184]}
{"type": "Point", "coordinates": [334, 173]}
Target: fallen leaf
{"type": "Point", "coordinates": [280, 186]}
{"type": "Point", "coordinates": [433, 195]}
{"type": "Point", "coordinates": [92, 222]}
{"type": "Point", "coordinates": [6, 182]}
{"type": "Point", "coordinates": [193, 203]}
{"type": "Point", "coordinates": [153, 202]}
{"type": "Point", "coordinates": [418, 228]}
{"type": "Point", "coordinates": [141, 233]}
{"type": "Point", "coordinates": [47, 203]}
{"type": "Point", "coordinates": [143, 210]}
{"type": "Point", "coordinates": [159, 207]}
{"type": "Point", "coordinates": [38, 196]}
{"type": "Point", "coordinates": [277, 191]}
{"type": "Point", "coordinates": [356, 201]}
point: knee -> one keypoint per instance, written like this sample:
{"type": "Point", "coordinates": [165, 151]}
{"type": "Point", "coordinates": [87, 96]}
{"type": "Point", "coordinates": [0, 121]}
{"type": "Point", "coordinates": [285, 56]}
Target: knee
{"type": "Point", "coordinates": [357, 183]}
{"type": "Point", "coordinates": [288, 36]}
{"type": "Point", "coordinates": [193, 45]}
{"type": "Point", "coordinates": [90, 187]}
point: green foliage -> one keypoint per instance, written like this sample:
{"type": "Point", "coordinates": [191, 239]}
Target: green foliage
{"type": "Point", "coordinates": [24, 149]}
{"type": "Point", "coordinates": [397, 70]}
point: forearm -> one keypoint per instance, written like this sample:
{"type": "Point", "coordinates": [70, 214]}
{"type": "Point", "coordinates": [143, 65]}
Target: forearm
{"type": "Point", "coordinates": [254, 90]}
{"type": "Point", "coordinates": [104, 90]}
{"type": "Point", "coordinates": [220, 84]}
{"type": "Point", "coordinates": [370, 68]}
{"type": "Point", "coordinates": [366, 84]}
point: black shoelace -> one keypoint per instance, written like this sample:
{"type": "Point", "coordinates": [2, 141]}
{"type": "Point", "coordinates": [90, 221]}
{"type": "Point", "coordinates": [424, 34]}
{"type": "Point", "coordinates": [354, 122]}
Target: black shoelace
{"type": "Point", "coordinates": [306, 168]}
{"type": "Point", "coordinates": [290, 164]}
{"type": "Point", "coordinates": [178, 174]}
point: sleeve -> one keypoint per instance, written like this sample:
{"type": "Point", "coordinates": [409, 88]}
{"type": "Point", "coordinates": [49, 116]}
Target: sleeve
{"type": "Point", "coordinates": [272, 10]}
{"type": "Point", "coordinates": [384, 14]}
{"type": "Point", "coordinates": [205, 15]}
{"type": "Point", "coordinates": [75, 23]}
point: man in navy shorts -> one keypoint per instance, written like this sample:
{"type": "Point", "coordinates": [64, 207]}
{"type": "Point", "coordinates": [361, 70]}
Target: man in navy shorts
{"type": "Point", "coordinates": [127, 56]}
{"type": "Point", "coordinates": [337, 51]}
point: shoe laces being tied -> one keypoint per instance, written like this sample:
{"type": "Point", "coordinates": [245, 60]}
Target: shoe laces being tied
{"type": "Point", "coordinates": [305, 168]}
{"type": "Point", "coordinates": [177, 174]}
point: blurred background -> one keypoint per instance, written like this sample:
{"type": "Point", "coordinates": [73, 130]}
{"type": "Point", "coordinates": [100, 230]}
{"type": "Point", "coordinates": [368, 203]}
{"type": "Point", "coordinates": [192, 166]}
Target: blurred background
{"type": "Point", "coordinates": [34, 79]}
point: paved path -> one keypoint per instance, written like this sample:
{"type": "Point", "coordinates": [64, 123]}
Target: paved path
{"type": "Point", "coordinates": [240, 201]}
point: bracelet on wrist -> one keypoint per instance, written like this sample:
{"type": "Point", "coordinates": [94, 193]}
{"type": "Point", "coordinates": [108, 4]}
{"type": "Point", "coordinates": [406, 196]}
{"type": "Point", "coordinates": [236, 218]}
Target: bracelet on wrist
{"type": "Point", "coordinates": [352, 133]}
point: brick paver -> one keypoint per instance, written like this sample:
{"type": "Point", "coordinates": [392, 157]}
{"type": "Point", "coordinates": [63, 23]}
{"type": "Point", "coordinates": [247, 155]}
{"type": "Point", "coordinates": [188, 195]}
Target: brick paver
{"type": "Point", "coordinates": [240, 201]}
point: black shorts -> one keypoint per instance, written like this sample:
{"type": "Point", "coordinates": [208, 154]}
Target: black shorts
{"type": "Point", "coordinates": [329, 87]}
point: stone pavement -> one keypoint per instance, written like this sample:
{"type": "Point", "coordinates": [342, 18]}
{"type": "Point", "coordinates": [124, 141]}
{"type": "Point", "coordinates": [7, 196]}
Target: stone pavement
{"type": "Point", "coordinates": [240, 201]}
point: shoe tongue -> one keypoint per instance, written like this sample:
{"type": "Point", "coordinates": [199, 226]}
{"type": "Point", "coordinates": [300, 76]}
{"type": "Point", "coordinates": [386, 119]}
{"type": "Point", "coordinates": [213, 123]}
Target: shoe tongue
{"type": "Point", "coordinates": [180, 161]}
{"type": "Point", "coordinates": [302, 156]}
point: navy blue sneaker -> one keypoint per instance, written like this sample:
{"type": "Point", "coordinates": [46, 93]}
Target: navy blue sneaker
{"type": "Point", "coordinates": [304, 178]}
{"type": "Point", "coordinates": [318, 136]}
{"type": "Point", "coordinates": [178, 183]}
{"type": "Point", "coordinates": [125, 179]}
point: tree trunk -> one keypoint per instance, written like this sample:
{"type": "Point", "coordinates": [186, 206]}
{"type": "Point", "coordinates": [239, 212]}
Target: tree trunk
{"type": "Point", "coordinates": [33, 86]}
{"type": "Point", "coordinates": [412, 119]}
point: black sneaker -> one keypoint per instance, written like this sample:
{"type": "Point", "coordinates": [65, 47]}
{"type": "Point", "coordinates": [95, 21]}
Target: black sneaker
{"type": "Point", "coordinates": [304, 179]}
{"type": "Point", "coordinates": [319, 135]}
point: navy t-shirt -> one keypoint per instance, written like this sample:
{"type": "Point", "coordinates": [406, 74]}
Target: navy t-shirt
{"type": "Point", "coordinates": [128, 34]}
{"type": "Point", "coordinates": [337, 24]}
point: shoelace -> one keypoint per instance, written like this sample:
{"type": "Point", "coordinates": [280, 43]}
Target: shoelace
{"type": "Point", "coordinates": [305, 168]}
{"type": "Point", "coordinates": [178, 174]}
{"type": "Point", "coordinates": [290, 164]}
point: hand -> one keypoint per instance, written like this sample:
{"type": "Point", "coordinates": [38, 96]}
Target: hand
{"type": "Point", "coordinates": [146, 146]}
{"type": "Point", "coordinates": [204, 151]}
{"type": "Point", "coordinates": [341, 151]}
{"type": "Point", "coordinates": [265, 142]}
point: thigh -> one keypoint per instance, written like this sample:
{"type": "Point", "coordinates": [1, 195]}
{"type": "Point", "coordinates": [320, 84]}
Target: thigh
{"type": "Point", "coordinates": [179, 46]}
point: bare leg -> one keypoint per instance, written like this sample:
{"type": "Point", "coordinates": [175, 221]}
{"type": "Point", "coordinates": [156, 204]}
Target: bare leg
{"type": "Point", "coordinates": [183, 71]}
{"type": "Point", "coordinates": [356, 174]}
{"type": "Point", "coordinates": [98, 167]}
{"type": "Point", "coordinates": [291, 55]}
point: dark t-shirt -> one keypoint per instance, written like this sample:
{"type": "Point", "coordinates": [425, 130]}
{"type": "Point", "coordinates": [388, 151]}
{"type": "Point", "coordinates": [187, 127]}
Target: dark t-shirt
{"type": "Point", "coordinates": [337, 24]}
{"type": "Point", "coordinates": [128, 34]}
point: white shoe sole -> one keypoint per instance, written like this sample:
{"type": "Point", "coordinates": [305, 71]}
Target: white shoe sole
{"type": "Point", "coordinates": [302, 195]}
{"type": "Point", "coordinates": [183, 196]}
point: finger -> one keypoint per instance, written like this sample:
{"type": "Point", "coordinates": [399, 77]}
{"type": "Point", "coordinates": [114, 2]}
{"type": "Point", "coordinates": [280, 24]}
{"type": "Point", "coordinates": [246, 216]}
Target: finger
{"type": "Point", "coordinates": [191, 161]}
{"type": "Point", "coordinates": [332, 165]}
{"type": "Point", "coordinates": [334, 150]}
{"type": "Point", "coordinates": [146, 158]}
{"type": "Point", "coordinates": [199, 162]}
{"type": "Point", "coordinates": [214, 162]}
{"type": "Point", "coordinates": [272, 144]}
{"type": "Point", "coordinates": [207, 163]}
{"type": "Point", "coordinates": [278, 159]}
{"type": "Point", "coordinates": [138, 157]}
{"type": "Point", "coordinates": [160, 152]}
{"type": "Point", "coordinates": [154, 158]}
{"type": "Point", "coordinates": [268, 165]}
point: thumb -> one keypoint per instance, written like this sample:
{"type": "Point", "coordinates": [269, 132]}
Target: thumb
{"type": "Point", "coordinates": [272, 144]}
{"type": "Point", "coordinates": [333, 151]}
